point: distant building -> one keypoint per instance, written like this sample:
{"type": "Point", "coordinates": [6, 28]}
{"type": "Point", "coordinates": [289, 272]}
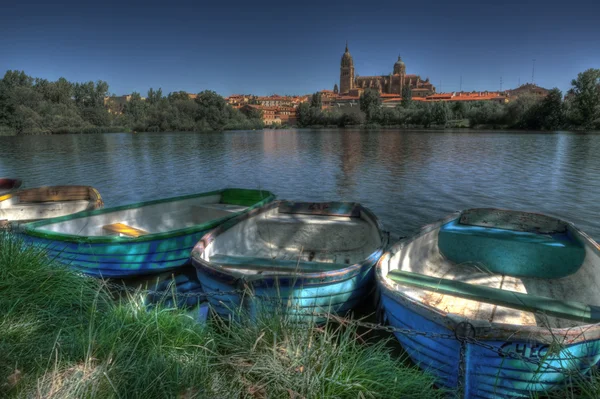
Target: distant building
{"type": "Point", "coordinates": [116, 104]}
{"type": "Point", "coordinates": [274, 115]}
{"type": "Point", "coordinates": [495, 96]}
{"type": "Point", "coordinates": [527, 89]}
{"type": "Point", "coordinates": [394, 83]}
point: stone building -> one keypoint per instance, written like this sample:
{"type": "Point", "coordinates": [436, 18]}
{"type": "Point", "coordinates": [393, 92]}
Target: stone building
{"type": "Point", "coordinates": [394, 83]}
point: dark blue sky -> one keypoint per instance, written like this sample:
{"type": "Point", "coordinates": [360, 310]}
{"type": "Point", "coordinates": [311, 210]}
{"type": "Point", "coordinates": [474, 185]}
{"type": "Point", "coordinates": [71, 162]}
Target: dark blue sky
{"type": "Point", "coordinates": [290, 47]}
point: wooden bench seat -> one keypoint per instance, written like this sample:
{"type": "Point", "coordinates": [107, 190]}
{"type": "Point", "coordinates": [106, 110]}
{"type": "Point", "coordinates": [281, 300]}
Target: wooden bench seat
{"type": "Point", "coordinates": [516, 301]}
{"type": "Point", "coordinates": [121, 228]}
{"type": "Point", "coordinates": [512, 252]}
{"type": "Point", "coordinates": [55, 193]}
{"type": "Point", "coordinates": [276, 265]}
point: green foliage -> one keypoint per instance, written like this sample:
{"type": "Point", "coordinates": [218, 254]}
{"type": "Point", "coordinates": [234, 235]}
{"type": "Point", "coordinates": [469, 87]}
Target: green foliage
{"type": "Point", "coordinates": [370, 104]}
{"type": "Point", "coordinates": [551, 111]}
{"type": "Point", "coordinates": [311, 116]}
{"type": "Point", "coordinates": [585, 110]}
{"type": "Point", "coordinates": [406, 96]}
{"type": "Point", "coordinates": [440, 113]}
{"type": "Point", "coordinates": [38, 106]}
{"type": "Point", "coordinates": [316, 101]}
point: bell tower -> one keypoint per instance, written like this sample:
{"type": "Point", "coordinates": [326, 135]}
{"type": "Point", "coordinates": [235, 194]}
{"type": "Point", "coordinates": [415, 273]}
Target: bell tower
{"type": "Point", "coordinates": [346, 72]}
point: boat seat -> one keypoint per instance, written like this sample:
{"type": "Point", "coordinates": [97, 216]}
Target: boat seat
{"type": "Point", "coordinates": [223, 207]}
{"type": "Point", "coordinates": [471, 274]}
{"type": "Point", "coordinates": [516, 301]}
{"type": "Point", "coordinates": [121, 228]}
{"type": "Point", "coordinates": [512, 252]}
{"type": "Point", "coordinates": [276, 265]}
{"type": "Point", "coordinates": [313, 232]}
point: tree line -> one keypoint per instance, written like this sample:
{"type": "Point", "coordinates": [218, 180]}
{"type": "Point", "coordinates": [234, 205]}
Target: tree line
{"type": "Point", "coordinates": [37, 106]}
{"type": "Point", "coordinates": [580, 109]}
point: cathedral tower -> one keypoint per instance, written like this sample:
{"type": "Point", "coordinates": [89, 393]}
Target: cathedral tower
{"type": "Point", "coordinates": [400, 70]}
{"type": "Point", "coordinates": [346, 72]}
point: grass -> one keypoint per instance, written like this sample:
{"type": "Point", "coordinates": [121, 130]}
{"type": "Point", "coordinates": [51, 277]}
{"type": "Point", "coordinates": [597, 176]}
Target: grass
{"type": "Point", "coordinates": [62, 335]}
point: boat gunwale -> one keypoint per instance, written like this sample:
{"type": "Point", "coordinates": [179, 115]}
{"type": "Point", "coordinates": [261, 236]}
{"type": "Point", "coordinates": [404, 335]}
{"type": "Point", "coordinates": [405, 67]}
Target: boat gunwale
{"type": "Point", "coordinates": [484, 329]}
{"type": "Point", "coordinates": [306, 279]}
{"type": "Point", "coordinates": [35, 229]}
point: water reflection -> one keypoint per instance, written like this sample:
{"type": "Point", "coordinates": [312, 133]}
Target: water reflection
{"type": "Point", "coordinates": [408, 178]}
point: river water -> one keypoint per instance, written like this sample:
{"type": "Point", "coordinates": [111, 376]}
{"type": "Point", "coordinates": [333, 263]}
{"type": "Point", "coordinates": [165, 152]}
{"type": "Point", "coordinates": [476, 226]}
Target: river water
{"type": "Point", "coordinates": [408, 178]}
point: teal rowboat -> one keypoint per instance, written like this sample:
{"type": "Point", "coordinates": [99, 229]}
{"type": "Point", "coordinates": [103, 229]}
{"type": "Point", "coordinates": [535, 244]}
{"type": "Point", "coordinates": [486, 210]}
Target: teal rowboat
{"type": "Point", "coordinates": [307, 259]}
{"type": "Point", "coordinates": [143, 238]}
{"type": "Point", "coordinates": [508, 301]}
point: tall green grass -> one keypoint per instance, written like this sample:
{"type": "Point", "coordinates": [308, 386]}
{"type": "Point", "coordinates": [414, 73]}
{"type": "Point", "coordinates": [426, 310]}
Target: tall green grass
{"type": "Point", "coordinates": [62, 335]}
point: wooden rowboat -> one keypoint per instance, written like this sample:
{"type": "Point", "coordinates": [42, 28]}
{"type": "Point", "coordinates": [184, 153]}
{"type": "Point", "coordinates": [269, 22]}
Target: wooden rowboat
{"type": "Point", "coordinates": [8, 185]}
{"type": "Point", "coordinates": [48, 202]}
{"type": "Point", "coordinates": [143, 238]}
{"type": "Point", "coordinates": [308, 257]}
{"type": "Point", "coordinates": [512, 295]}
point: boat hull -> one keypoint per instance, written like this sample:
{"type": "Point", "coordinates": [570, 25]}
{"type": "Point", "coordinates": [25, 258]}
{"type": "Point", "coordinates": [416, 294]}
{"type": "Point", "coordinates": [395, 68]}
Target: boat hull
{"type": "Point", "coordinates": [303, 298]}
{"type": "Point", "coordinates": [483, 372]}
{"type": "Point", "coordinates": [121, 257]}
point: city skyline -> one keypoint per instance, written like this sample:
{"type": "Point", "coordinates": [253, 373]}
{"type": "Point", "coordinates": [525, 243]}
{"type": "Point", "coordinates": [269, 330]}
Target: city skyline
{"type": "Point", "coordinates": [295, 49]}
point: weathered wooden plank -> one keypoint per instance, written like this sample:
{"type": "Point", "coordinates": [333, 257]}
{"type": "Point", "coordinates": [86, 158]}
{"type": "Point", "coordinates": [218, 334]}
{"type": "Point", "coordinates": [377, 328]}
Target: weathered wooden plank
{"type": "Point", "coordinates": [122, 228]}
{"type": "Point", "coordinates": [531, 303]}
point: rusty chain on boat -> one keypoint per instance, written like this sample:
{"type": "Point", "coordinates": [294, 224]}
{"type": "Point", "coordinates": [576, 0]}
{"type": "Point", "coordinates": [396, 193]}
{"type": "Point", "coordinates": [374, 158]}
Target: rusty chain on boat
{"type": "Point", "coordinates": [543, 365]}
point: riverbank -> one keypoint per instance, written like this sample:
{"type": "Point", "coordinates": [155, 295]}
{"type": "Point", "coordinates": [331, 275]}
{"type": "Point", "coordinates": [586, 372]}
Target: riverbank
{"type": "Point", "coordinates": [67, 130]}
{"type": "Point", "coordinates": [62, 335]}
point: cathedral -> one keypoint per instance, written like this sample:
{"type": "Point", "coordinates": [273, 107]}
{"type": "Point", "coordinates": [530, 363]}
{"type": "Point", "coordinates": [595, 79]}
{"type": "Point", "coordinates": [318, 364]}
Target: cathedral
{"type": "Point", "coordinates": [394, 83]}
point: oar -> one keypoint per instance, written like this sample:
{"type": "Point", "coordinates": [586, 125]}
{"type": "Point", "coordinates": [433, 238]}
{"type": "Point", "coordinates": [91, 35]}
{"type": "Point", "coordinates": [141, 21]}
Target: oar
{"type": "Point", "coordinates": [570, 310]}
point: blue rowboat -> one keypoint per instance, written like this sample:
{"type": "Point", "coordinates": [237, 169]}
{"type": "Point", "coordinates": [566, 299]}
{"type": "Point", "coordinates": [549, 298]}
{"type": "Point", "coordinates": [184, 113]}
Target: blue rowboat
{"type": "Point", "coordinates": [305, 257]}
{"type": "Point", "coordinates": [137, 239]}
{"type": "Point", "coordinates": [507, 299]}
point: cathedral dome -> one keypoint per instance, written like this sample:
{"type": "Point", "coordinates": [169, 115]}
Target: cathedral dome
{"type": "Point", "coordinates": [347, 60]}
{"type": "Point", "coordinates": [399, 66]}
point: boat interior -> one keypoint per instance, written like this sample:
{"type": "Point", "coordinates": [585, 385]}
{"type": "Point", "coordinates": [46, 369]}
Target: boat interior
{"type": "Point", "coordinates": [48, 202]}
{"type": "Point", "coordinates": [509, 251]}
{"type": "Point", "coordinates": [148, 219]}
{"type": "Point", "coordinates": [280, 241]}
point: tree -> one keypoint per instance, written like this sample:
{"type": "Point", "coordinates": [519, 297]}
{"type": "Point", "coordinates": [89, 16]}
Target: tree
{"type": "Point", "coordinates": [440, 113]}
{"type": "Point", "coordinates": [586, 97]}
{"type": "Point", "coordinates": [370, 103]}
{"type": "Point", "coordinates": [406, 96]}
{"type": "Point", "coordinates": [253, 113]}
{"type": "Point", "coordinates": [303, 115]}
{"type": "Point", "coordinates": [316, 101]}
{"type": "Point", "coordinates": [459, 110]}
{"type": "Point", "coordinates": [213, 109]}
{"type": "Point", "coordinates": [136, 110]}
{"type": "Point", "coordinates": [154, 96]}
{"type": "Point", "coordinates": [551, 110]}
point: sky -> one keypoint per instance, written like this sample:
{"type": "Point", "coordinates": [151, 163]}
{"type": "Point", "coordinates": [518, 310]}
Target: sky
{"type": "Point", "coordinates": [295, 47]}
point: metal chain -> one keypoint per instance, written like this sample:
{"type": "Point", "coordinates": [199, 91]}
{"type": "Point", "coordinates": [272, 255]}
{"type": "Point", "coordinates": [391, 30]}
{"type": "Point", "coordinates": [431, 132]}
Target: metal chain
{"type": "Point", "coordinates": [352, 322]}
